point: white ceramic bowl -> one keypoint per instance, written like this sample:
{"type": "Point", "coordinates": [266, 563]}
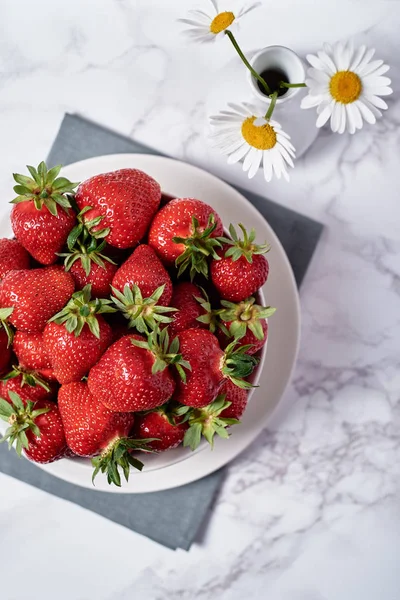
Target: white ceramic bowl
{"type": "Point", "coordinates": [180, 466]}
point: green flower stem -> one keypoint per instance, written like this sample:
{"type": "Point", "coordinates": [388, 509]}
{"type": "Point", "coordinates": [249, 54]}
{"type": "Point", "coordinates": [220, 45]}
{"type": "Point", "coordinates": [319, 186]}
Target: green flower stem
{"type": "Point", "coordinates": [283, 84]}
{"type": "Point", "coordinates": [246, 62]}
{"type": "Point", "coordinates": [271, 108]}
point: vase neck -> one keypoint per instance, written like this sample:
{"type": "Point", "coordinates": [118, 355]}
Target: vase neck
{"type": "Point", "coordinates": [277, 63]}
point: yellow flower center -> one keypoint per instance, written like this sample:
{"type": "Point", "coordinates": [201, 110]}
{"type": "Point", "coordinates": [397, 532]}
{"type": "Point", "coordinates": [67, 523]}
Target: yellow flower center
{"type": "Point", "coordinates": [345, 87]}
{"type": "Point", "coordinates": [262, 137]}
{"type": "Point", "coordinates": [221, 22]}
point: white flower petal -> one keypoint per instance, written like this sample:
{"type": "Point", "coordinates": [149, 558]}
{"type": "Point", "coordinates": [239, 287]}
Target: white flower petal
{"type": "Point", "coordinates": [277, 163]}
{"type": "Point", "coordinates": [358, 56]}
{"type": "Point", "coordinates": [325, 114]}
{"type": "Point", "coordinates": [366, 112]}
{"type": "Point", "coordinates": [316, 62]}
{"type": "Point", "coordinates": [382, 91]}
{"type": "Point", "coordinates": [366, 58]}
{"type": "Point", "coordinates": [239, 153]}
{"type": "Point", "coordinates": [310, 101]}
{"type": "Point", "coordinates": [201, 15]}
{"type": "Point", "coordinates": [328, 62]}
{"type": "Point", "coordinates": [267, 166]}
{"type": "Point", "coordinates": [351, 128]}
{"type": "Point", "coordinates": [370, 68]}
{"type": "Point", "coordinates": [327, 49]}
{"type": "Point", "coordinates": [335, 118]}
{"type": "Point", "coordinates": [377, 113]}
{"type": "Point", "coordinates": [338, 56]}
{"type": "Point", "coordinates": [242, 110]}
{"type": "Point", "coordinates": [376, 101]}
{"type": "Point", "coordinates": [380, 70]}
{"type": "Point", "coordinates": [376, 82]}
{"type": "Point", "coordinates": [319, 76]}
{"type": "Point", "coordinates": [195, 24]}
{"type": "Point", "coordinates": [289, 147]}
{"type": "Point", "coordinates": [244, 11]}
{"type": "Point", "coordinates": [248, 161]}
{"type": "Point", "coordinates": [255, 165]}
{"type": "Point", "coordinates": [342, 118]}
{"type": "Point", "coordinates": [286, 155]}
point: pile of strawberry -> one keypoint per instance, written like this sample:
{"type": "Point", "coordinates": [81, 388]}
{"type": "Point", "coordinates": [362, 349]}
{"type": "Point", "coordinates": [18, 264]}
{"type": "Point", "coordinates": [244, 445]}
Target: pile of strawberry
{"type": "Point", "coordinates": [128, 321]}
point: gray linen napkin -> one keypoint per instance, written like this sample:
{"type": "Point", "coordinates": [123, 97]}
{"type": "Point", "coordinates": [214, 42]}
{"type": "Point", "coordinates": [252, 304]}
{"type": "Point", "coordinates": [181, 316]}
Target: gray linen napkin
{"type": "Point", "coordinates": [154, 515]}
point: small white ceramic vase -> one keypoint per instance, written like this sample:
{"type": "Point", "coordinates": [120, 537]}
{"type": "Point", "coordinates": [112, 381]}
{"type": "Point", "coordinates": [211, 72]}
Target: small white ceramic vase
{"type": "Point", "coordinates": [298, 123]}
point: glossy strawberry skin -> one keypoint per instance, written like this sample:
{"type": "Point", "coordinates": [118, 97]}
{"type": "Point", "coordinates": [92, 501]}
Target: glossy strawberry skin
{"type": "Point", "coordinates": [238, 398]}
{"type": "Point", "coordinates": [89, 426]}
{"type": "Point", "coordinates": [32, 354]}
{"type": "Point", "coordinates": [13, 257]}
{"type": "Point", "coordinates": [127, 199]}
{"type": "Point", "coordinates": [39, 232]}
{"type": "Point", "coordinates": [36, 296]}
{"type": "Point", "coordinates": [5, 352]}
{"type": "Point", "coordinates": [248, 338]}
{"type": "Point", "coordinates": [72, 357]}
{"type": "Point", "coordinates": [144, 269]}
{"type": "Point", "coordinates": [156, 425]}
{"type": "Point", "coordinates": [100, 279]}
{"type": "Point", "coordinates": [203, 382]}
{"type": "Point", "coordinates": [122, 379]}
{"type": "Point", "coordinates": [189, 309]}
{"type": "Point", "coordinates": [175, 220]}
{"type": "Point", "coordinates": [238, 280]}
{"type": "Point", "coordinates": [26, 392]}
{"type": "Point", "coordinates": [51, 445]}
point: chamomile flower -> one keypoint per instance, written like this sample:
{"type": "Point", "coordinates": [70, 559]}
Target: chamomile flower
{"type": "Point", "coordinates": [207, 26]}
{"type": "Point", "coordinates": [243, 134]}
{"type": "Point", "coordinates": [346, 86]}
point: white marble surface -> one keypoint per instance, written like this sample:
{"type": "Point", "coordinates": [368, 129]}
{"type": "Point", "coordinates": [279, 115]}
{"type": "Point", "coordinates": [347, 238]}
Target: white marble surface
{"type": "Point", "coordinates": [311, 510]}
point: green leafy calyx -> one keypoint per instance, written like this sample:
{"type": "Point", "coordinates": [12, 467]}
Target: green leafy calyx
{"type": "Point", "coordinates": [244, 315]}
{"type": "Point", "coordinates": [142, 313]}
{"type": "Point", "coordinates": [20, 418]}
{"type": "Point", "coordinates": [237, 365]}
{"type": "Point", "coordinates": [198, 247]}
{"type": "Point", "coordinates": [81, 311]}
{"type": "Point", "coordinates": [117, 455]}
{"type": "Point", "coordinates": [243, 247]}
{"type": "Point", "coordinates": [86, 244]}
{"type": "Point", "coordinates": [29, 378]}
{"type": "Point", "coordinates": [4, 314]}
{"type": "Point", "coordinates": [44, 188]}
{"type": "Point", "coordinates": [210, 318]}
{"type": "Point", "coordinates": [164, 352]}
{"type": "Point", "coordinates": [206, 422]}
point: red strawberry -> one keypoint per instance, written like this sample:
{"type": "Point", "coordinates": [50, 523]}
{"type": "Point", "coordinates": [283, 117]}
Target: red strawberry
{"type": "Point", "coordinates": [5, 351]}
{"type": "Point", "coordinates": [211, 419]}
{"type": "Point", "coordinates": [85, 258]}
{"type": "Point", "coordinates": [99, 278]}
{"type": "Point", "coordinates": [76, 337]}
{"type": "Point", "coordinates": [238, 398]}
{"type": "Point", "coordinates": [89, 426]}
{"type": "Point", "coordinates": [210, 367]}
{"type": "Point", "coordinates": [93, 430]}
{"type": "Point", "coordinates": [36, 296]}
{"type": "Point", "coordinates": [6, 337]}
{"type": "Point", "coordinates": [189, 309]}
{"type": "Point", "coordinates": [13, 256]}
{"type": "Point", "coordinates": [133, 375]}
{"type": "Point", "coordinates": [39, 224]}
{"type": "Point", "coordinates": [159, 424]}
{"type": "Point", "coordinates": [241, 269]}
{"type": "Point", "coordinates": [183, 233]}
{"type": "Point", "coordinates": [36, 428]}
{"type": "Point", "coordinates": [145, 270]}
{"type": "Point", "coordinates": [245, 322]}
{"type": "Point", "coordinates": [29, 385]}
{"type": "Point", "coordinates": [32, 354]}
{"type": "Point", "coordinates": [127, 199]}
